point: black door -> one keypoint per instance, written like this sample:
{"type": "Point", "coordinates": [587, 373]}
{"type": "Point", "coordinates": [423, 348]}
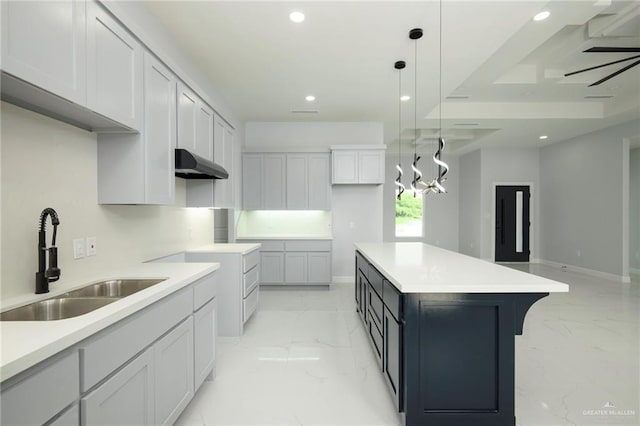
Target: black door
{"type": "Point", "coordinates": [512, 223]}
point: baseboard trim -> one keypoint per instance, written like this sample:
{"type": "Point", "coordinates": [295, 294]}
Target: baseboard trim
{"type": "Point", "coordinates": [341, 279]}
{"type": "Point", "coordinates": [586, 271]}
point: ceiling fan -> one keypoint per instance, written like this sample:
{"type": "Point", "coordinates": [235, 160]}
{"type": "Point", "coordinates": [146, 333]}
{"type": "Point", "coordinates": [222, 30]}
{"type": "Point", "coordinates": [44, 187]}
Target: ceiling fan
{"type": "Point", "coordinates": [611, 50]}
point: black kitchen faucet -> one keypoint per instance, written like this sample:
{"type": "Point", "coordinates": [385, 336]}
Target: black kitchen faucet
{"type": "Point", "coordinates": [52, 273]}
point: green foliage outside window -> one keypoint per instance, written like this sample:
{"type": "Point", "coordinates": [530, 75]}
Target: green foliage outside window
{"type": "Point", "coordinates": [408, 208]}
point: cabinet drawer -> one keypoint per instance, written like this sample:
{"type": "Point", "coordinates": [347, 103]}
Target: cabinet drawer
{"type": "Point", "coordinates": [375, 307]}
{"type": "Point", "coordinates": [271, 245]}
{"type": "Point", "coordinates": [43, 394]}
{"type": "Point", "coordinates": [250, 280]}
{"type": "Point", "coordinates": [250, 260]}
{"type": "Point", "coordinates": [361, 263]}
{"type": "Point", "coordinates": [71, 417]}
{"type": "Point", "coordinates": [204, 290]}
{"type": "Point", "coordinates": [249, 304]}
{"type": "Point", "coordinates": [376, 279]}
{"type": "Point", "coordinates": [392, 299]}
{"type": "Point", "coordinates": [117, 344]}
{"type": "Point", "coordinates": [320, 245]}
{"type": "Point", "coordinates": [376, 339]}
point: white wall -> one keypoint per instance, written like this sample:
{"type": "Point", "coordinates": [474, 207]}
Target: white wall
{"type": "Point", "coordinates": [46, 163]}
{"type": "Point", "coordinates": [508, 166]}
{"type": "Point", "coordinates": [357, 218]}
{"type": "Point", "coordinates": [440, 212]}
{"type": "Point", "coordinates": [356, 209]}
{"type": "Point", "coordinates": [584, 201]}
{"type": "Point", "coordinates": [312, 134]}
{"type": "Point", "coordinates": [634, 211]}
{"type": "Point", "coordinates": [470, 204]}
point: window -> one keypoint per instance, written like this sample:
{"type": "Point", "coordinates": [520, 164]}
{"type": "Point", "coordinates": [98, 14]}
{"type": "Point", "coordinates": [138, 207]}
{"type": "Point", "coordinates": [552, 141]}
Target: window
{"type": "Point", "coordinates": [409, 215]}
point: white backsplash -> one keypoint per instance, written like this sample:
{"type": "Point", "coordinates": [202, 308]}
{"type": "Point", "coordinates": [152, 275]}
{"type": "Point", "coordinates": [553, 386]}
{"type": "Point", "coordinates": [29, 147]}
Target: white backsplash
{"type": "Point", "coordinates": [284, 223]}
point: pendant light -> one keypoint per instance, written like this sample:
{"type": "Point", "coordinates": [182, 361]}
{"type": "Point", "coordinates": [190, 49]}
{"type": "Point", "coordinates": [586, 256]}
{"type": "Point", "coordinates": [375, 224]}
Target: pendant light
{"type": "Point", "coordinates": [435, 185]}
{"type": "Point", "coordinates": [415, 34]}
{"type": "Point", "coordinates": [399, 65]}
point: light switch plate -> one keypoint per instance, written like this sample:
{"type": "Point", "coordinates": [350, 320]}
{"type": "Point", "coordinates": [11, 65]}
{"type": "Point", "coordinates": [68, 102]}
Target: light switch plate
{"type": "Point", "coordinates": [78, 248]}
{"type": "Point", "coordinates": [92, 248]}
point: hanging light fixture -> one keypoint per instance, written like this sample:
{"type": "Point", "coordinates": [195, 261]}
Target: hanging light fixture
{"type": "Point", "coordinates": [399, 65]}
{"type": "Point", "coordinates": [415, 34]}
{"type": "Point", "coordinates": [435, 185]}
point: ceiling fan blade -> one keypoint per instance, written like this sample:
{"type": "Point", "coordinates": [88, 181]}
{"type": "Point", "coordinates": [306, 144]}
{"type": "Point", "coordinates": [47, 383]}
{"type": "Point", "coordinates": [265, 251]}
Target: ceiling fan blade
{"type": "Point", "coordinates": [603, 65]}
{"type": "Point", "coordinates": [605, 49]}
{"type": "Point", "coordinates": [621, 70]}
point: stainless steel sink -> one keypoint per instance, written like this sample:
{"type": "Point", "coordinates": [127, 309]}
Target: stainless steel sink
{"type": "Point", "coordinates": [113, 288]}
{"type": "Point", "coordinates": [56, 309]}
{"type": "Point", "coordinates": [78, 302]}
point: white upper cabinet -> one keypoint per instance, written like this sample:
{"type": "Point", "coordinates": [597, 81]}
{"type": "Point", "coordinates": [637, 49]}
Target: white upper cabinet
{"type": "Point", "coordinates": [297, 181]}
{"type": "Point", "coordinates": [204, 132]}
{"type": "Point", "coordinates": [195, 123]}
{"type": "Point", "coordinates": [274, 182]}
{"type": "Point", "coordinates": [292, 181]}
{"type": "Point", "coordinates": [139, 168]}
{"type": "Point", "coordinates": [318, 182]}
{"type": "Point", "coordinates": [216, 192]}
{"type": "Point", "coordinates": [358, 164]}
{"type": "Point", "coordinates": [114, 69]}
{"type": "Point", "coordinates": [44, 43]}
{"type": "Point", "coordinates": [252, 181]}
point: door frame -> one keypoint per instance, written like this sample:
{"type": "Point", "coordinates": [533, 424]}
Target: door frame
{"type": "Point", "coordinates": [532, 229]}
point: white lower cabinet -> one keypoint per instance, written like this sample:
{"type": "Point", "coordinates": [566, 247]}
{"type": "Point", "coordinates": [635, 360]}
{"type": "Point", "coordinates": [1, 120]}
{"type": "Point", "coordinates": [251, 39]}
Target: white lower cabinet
{"type": "Point", "coordinates": [126, 398]}
{"type": "Point", "coordinates": [318, 268]}
{"type": "Point", "coordinates": [272, 264]}
{"type": "Point", "coordinates": [295, 269]}
{"type": "Point", "coordinates": [71, 417]}
{"type": "Point", "coordinates": [142, 370]}
{"type": "Point", "coordinates": [204, 342]}
{"type": "Point", "coordinates": [174, 370]}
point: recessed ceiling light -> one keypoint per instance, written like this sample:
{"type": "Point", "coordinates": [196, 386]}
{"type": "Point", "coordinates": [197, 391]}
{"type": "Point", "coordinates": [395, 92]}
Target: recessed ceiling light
{"type": "Point", "coordinates": [296, 17]}
{"type": "Point", "coordinates": [543, 137]}
{"type": "Point", "coordinates": [310, 98]}
{"type": "Point", "coordinates": [405, 98]}
{"type": "Point", "coordinates": [542, 16]}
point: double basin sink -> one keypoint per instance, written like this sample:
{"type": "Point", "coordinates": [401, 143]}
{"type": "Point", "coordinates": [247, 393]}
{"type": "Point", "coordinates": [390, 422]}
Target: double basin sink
{"type": "Point", "coordinates": [80, 301]}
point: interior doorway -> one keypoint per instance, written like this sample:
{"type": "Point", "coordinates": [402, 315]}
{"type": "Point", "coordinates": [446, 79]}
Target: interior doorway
{"type": "Point", "coordinates": [512, 223]}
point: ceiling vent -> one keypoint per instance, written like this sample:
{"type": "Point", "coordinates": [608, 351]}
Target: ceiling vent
{"type": "Point", "coordinates": [304, 111]}
{"type": "Point", "coordinates": [457, 97]}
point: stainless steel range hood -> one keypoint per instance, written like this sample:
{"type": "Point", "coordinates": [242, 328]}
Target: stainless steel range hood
{"type": "Point", "coordinates": [191, 166]}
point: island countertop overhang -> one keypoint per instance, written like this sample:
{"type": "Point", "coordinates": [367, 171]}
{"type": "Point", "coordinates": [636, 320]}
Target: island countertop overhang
{"type": "Point", "coordinates": [421, 268]}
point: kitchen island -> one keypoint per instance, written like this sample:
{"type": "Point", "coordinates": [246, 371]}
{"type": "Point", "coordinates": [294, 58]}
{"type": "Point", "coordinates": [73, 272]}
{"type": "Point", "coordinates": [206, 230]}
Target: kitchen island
{"type": "Point", "coordinates": [442, 326]}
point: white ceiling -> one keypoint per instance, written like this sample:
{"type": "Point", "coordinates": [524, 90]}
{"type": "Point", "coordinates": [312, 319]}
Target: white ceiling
{"type": "Point", "coordinates": [508, 68]}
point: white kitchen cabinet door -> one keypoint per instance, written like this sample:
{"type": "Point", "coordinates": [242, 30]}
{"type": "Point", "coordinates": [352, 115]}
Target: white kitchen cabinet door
{"type": "Point", "coordinates": [114, 68]}
{"type": "Point", "coordinates": [159, 132]}
{"type": "Point", "coordinates": [138, 168]}
{"type": "Point", "coordinates": [204, 342]}
{"type": "Point", "coordinates": [204, 131]}
{"type": "Point", "coordinates": [71, 417]}
{"type": "Point", "coordinates": [223, 155]}
{"type": "Point", "coordinates": [272, 268]}
{"type": "Point", "coordinates": [252, 181]}
{"type": "Point", "coordinates": [174, 370]}
{"type": "Point", "coordinates": [371, 166]}
{"type": "Point", "coordinates": [319, 182]}
{"type": "Point", "coordinates": [187, 118]}
{"type": "Point", "coordinates": [295, 268]}
{"type": "Point", "coordinates": [126, 398]}
{"type": "Point", "coordinates": [345, 167]}
{"type": "Point", "coordinates": [44, 43]}
{"type": "Point", "coordinates": [297, 181]}
{"type": "Point", "coordinates": [229, 150]}
{"type": "Point", "coordinates": [274, 182]}
{"type": "Point", "coordinates": [319, 264]}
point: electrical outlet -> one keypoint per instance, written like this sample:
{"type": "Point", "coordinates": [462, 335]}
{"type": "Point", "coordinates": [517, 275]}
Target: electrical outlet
{"type": "Point", "coordinates": [91, 246]}
{"type": "Point", "coordinates": [78, 248]}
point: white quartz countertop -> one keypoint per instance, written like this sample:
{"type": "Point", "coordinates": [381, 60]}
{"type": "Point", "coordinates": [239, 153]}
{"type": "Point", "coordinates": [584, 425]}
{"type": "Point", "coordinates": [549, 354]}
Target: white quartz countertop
{"type": "Point", "coordinates": [26, 343]}
{"type": "Point", "coordinates": [284, 237]}
{"type": "Point", "coordinates": [226, 248]}
{"type": "Point", "coordinates": [421, 268]}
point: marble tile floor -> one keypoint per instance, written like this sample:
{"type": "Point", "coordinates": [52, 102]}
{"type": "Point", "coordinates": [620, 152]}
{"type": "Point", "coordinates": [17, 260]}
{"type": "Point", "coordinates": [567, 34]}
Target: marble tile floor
{"type": "Point", "coordinates": [305, 360]}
